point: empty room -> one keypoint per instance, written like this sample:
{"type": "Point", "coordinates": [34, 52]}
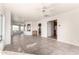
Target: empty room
{"type": "Point", "coordinates": [39, 29]}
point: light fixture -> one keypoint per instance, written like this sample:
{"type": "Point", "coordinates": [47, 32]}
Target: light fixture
{"type": "Point", "coordinates": [44, 11]}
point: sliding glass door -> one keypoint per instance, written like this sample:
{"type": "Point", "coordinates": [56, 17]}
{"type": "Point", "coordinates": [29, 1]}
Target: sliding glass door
{"type": "Point", "coordinates": [2, 32]}
{"type": "Point", "coordinates": [1, 27]}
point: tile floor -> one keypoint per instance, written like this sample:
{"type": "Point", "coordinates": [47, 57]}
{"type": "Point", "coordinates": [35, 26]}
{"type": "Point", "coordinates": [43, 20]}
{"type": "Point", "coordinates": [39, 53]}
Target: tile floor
{"type": "Point", "coordinates": [40, 46]}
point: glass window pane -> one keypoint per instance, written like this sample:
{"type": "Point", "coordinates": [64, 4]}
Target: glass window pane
{"type": "Point", "coordinates": [22, 28]}
{"type": "Point", "coordinates": [15, 28]}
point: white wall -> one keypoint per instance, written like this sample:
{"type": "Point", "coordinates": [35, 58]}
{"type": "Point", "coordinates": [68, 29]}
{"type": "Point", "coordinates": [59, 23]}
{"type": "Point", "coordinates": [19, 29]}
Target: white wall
{"type": "Point", "coordinates": [43, 27]}
{"type": "Point", "coordinates": [6, 34]}
{"type": "Point", "coordinates": [7, 27]}
{"type": "Point", "coordinates": [2, 43]}
{"type": "Point", "coordinates": [28, 32]}
{"type": "Point", "coordinates": [68, 30]}
{"type": "Point", "coordinates": [6, 24]}
{"type": "Point", "coordinates": [3, 29]}
{"type": "Point", "coordinates": [67, 27]}
{"type": "Point", "coordinates": [34, 26]}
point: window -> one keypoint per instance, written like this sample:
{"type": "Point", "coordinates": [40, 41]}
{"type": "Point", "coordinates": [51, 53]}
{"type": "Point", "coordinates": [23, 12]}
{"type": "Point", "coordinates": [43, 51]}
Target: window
{"type": "Point", "coordinates": [15, 28]}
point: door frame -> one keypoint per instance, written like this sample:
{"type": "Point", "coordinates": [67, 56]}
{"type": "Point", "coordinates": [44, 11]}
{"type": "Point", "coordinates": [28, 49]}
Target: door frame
{"type": "Point", "coordinates": [56, 28]}
{"type": "Point", "coordinates": [2, 27]}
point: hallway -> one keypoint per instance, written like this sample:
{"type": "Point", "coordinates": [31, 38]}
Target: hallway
{"type": "Point", "coordinates": [40, 46]}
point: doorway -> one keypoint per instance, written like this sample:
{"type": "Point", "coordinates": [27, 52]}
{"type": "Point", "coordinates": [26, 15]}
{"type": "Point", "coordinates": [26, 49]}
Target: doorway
{"type": "Point", "coordinates": [2, 31]}
{"type": "Point", "coordinates": [2, 27]}
{"type": "Point", "coordinates": [52, 29]}
{"type": "Point", "coordinates": [39, 29]}
{"type": "Point", "coordinates": [55, 29]}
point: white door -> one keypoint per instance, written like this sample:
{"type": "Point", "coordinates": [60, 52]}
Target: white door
{"type": "Point", "coordinates": [2, 32]}
{"type": "Point", "coordinates": [1, 25]}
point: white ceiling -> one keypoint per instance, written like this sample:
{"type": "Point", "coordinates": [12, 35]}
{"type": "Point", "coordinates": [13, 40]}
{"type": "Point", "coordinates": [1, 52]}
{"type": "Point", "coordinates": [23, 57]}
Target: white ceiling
{"type": "Point", "coordinates": [26, 12]}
